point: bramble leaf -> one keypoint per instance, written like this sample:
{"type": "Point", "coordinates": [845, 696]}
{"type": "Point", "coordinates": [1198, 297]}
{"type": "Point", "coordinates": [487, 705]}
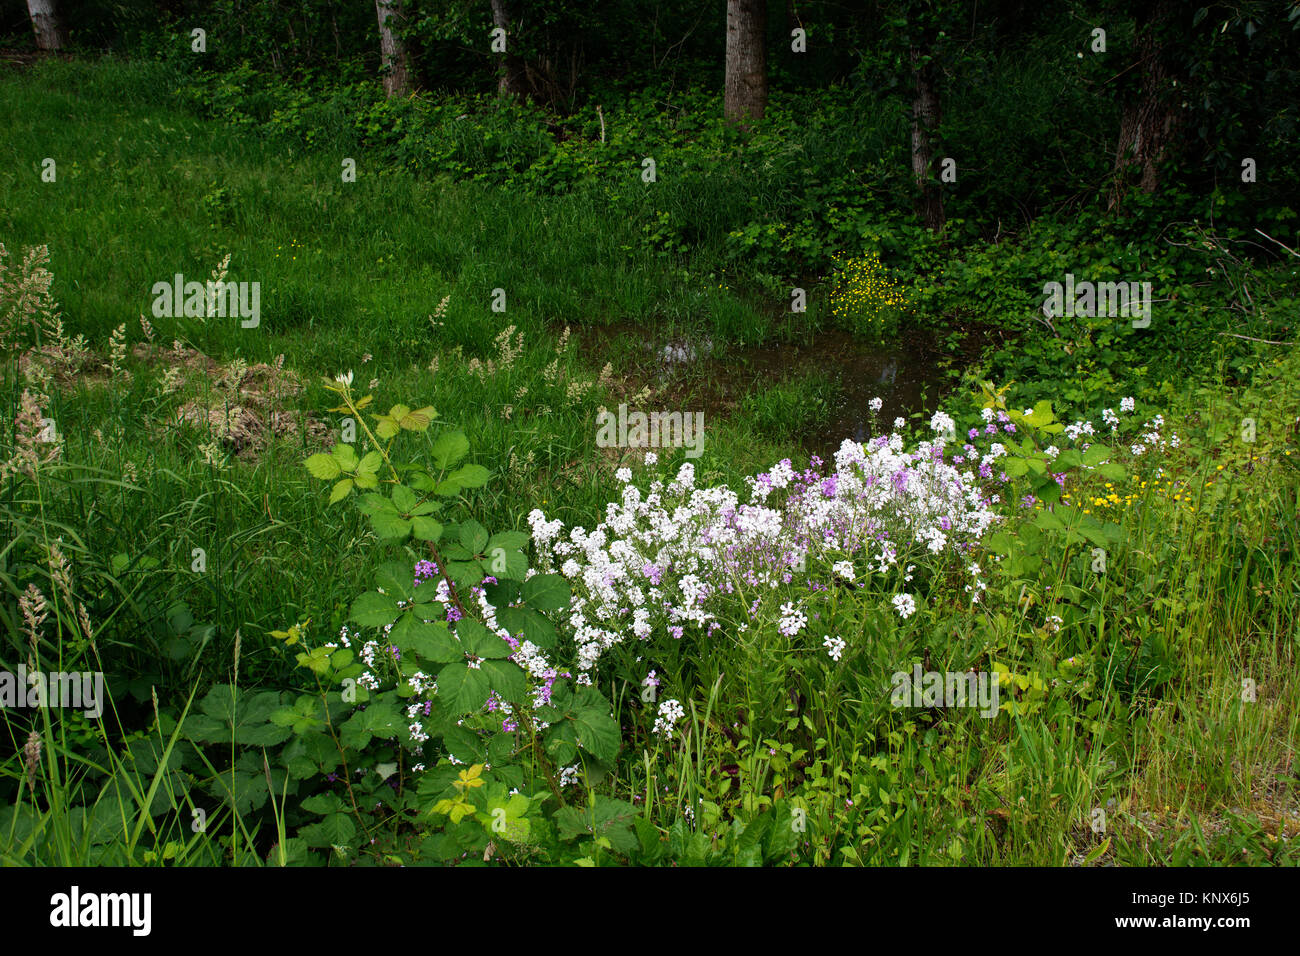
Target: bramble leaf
{"type": "Point", "coordinates": [323, 466]}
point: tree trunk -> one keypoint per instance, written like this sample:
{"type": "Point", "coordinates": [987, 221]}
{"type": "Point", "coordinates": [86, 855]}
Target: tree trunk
{"type": "Point", "coordinates": [50, 34]}
{"type": "Point", "coordinates": [925, 120]}
{"type": "Point", "coordinates": [513, 79]}
{"type": "Point", "coordinates": [746, 79]}
{"type": "Point", "coordinates": [1150, 122]}
{"type": "Point", "coordinates": [396, 62]}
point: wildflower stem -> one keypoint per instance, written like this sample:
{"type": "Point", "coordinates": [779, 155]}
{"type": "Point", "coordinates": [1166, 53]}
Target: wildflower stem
{"type": "Point", "coordinates": [343, 757]}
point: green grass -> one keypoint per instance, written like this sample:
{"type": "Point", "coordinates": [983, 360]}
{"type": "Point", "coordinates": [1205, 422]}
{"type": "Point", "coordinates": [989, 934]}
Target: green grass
{"type": "Point", "coordinates": [343, 265]}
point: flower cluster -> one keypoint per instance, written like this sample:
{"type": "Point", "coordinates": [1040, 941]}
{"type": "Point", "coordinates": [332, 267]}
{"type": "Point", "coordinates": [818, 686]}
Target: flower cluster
{"type": "Point", "coordinates": [834, 646]}
{"type": "Point", "coordinates": [863, 294]}
{"type": "Point", "coordinates": [670, 711]}
{"type": "Point", "coordinates": [676, 558]}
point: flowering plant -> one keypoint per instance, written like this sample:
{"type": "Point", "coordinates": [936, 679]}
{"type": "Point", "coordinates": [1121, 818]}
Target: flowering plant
{"type": "Point", "coordinates": [676, 562]}
{"type": "Point", "coordinates": [438, 687]}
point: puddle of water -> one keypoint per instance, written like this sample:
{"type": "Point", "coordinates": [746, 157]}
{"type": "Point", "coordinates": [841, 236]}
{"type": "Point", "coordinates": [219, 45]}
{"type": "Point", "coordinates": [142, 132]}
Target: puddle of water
{"type": "Point", "coordinates": [905, 375]}
{"type": "Point", "coordinates": [683, 353]}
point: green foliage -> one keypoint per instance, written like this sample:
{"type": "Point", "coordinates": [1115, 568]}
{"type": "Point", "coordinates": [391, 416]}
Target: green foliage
{"type": "Point", "coordinates": [1122, 687]}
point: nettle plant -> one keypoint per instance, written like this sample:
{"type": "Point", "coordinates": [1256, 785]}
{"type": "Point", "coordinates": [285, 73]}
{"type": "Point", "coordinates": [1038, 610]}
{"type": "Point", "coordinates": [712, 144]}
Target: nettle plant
{"type": "Point", "coordinates": [438, 719]}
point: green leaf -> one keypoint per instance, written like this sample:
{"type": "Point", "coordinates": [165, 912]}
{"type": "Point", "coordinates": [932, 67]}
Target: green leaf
{"type": "Point", "coordinates": [389, 525]}
{"type": "Point", "coordinates": [453, 551]}
{"type": "Point", "coordinates": [323, 467]}
{"type": "Point", "coordinates": [244, 716]}
{"type": "Point", "coordinates": [447, 488]}
{"type": "Point", "coordinates": [571, 823]}
{"type": "Point", "coordinates": [1098, 851]}
{"type": "Point", "coordinates": [1042, 415]}
{"type": "Point", "coordinates": [516, 564]}
{"type": "Point", "coordinates": [354, 732]}
{"type": "Point", "coordinates": [465, 574]}
{"type": "Point", "coordinates": [547, 592]}
{"type": "Point", "coordinates": [1048, 521]}
{"type": "Point", "coordinates": [176, 648]}
{"type": "Point", "coordinates": [317, 660]}
{"type": "Point", "coordinates": [396, 579]}
{"type": "Point", "coordinates": [464, 744]}
{"type": "Point", "coordinates": [608, 818]}
{"type": "Point", "coordinates": [372, 503]}
{"type": "Point", "coordinates": [503, 593]}
{"type": "Point", "coordinates": [530, 623]}
{"type": "Point", "coordinates": [311, 754]}
{"type": "Point", "coordinates": [381, 717]}
{"type": "Point", "coordinates": [341, 490]}
{"type": "Point", "coordinates": [507, 679]}
{"type": "Point", "coordinates": [386, 426]}
{"type": "Point", "coordinates": [323, 804]}
{"type": "Point", "coordinates": [561, 742]}
{"type": "Point", "coordinates": [473, 536]}
{"type": "Point", "coordinates": [285, 717]}
{"type": "Point", "coordinates": [479, 641]}
{"type": "Point", "coordinates": [509, 540]}
{"type": "Point", "coordinates": [346, 456]}
{"type": "Point", "coordinates": [470, 476]}
{"type": "Point", "coordinates": [462, 688]}
{"type": "Point", "coordinates": [373, 609]}
{"type": "Point", "coordinates": [427, 639]}
{"type": "Point", "coordinates": [386, 723]}
{"type": "Point", "coordinates": [337, 829]}
{"type": "Point", "coordinates": [597, 733]}
{"type": "Point", "coordinates": [426, 592]}
{"type": "Point", "coordinates": [243, 786]}
{"type": "Point", "coordinates": [450, 448]}
{"type": "Point", "coordinates": [418, 420]}
{"type": "Point", "coordinates": [1066, 460]}
{"type": "Point", "coordinates": [1096, 454]}
{"type": "Point", "coordinates": [370, 463]}
{"type": "Point", "coordinates": [404, 499]}
{"type": "Point", "coordinates": [1093, 531]}
{"type": "Point", "coordinates": [426, 529]}
{"type": "Point", "coordinates": [1000, 543]}
{"type": "Point", "coordinates": [504, 817]}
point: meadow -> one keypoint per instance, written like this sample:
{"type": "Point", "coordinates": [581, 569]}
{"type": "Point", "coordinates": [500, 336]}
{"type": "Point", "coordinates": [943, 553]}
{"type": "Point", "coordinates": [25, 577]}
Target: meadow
{"type": "Point", "coordinates": [365, 588]}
